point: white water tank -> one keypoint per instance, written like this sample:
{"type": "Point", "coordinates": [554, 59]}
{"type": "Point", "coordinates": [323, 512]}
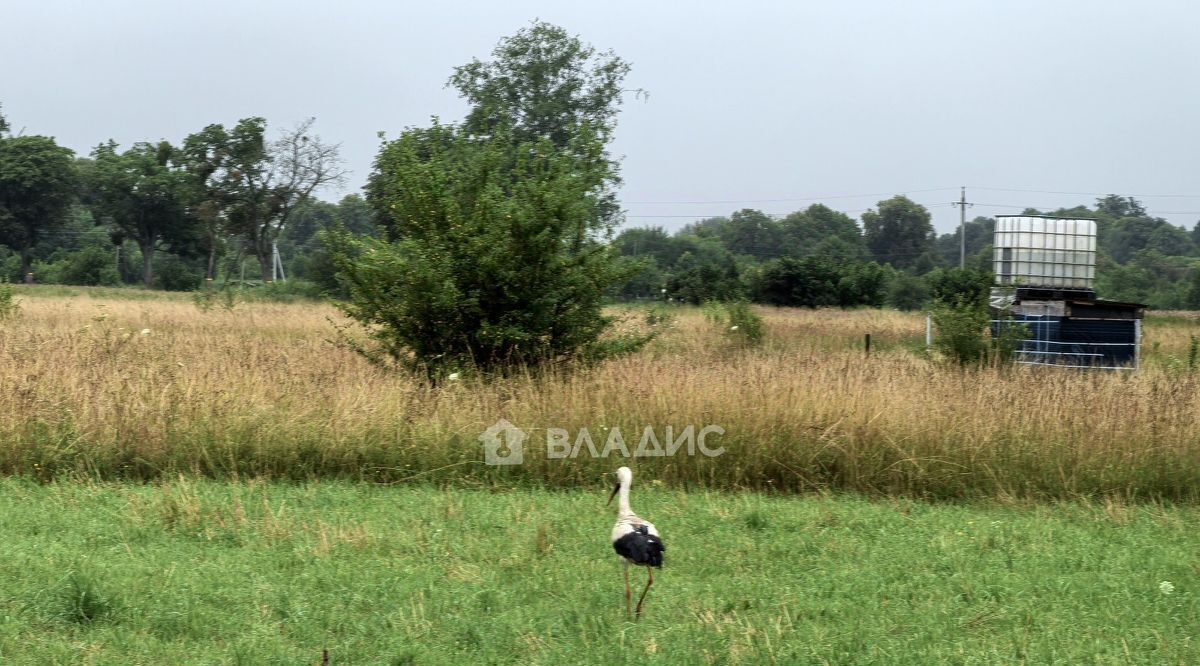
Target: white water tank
{"type": "Point", "coordinates": [1047, 252]}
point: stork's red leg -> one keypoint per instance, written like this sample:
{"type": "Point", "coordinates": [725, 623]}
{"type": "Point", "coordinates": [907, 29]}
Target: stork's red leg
{"type": "Point", "coordinates": [649, 582]}
{"type": "Point", "coordinates": [628, 592]}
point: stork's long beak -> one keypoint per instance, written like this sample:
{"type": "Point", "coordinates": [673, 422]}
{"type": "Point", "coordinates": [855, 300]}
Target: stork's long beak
{"type": "Point", "coordinates": [614, 493]}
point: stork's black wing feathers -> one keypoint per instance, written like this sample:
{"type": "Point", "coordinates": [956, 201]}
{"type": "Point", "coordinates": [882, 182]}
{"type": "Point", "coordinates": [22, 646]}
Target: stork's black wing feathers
{"type": "Point", "coordinates": [641, 547]}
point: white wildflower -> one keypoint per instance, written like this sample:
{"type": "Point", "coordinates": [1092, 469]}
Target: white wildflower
{"type": "Point", "coordinates": [453, 376]}
{"type": "Point", "coordinates": [733, 328]}
{"type": "Point", "coordinates": [145, 331]}
{"type": "Point", "coordinates": [1166, 587]}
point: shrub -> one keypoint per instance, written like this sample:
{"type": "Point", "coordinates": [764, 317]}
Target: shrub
{"type": "Point", "coordinates": [960, 332]}
{"type": "Point", "coordinates": [10, 306]}
{"type": "Point", "coordinates": [907, 292]}
{"type": "Point", "coordinates": [498, 259]}
{"type": "Point", "coordinates": [960, 285]}
{"type": "Point", "coordinates": [174, 273]}
{"type": "Point", "coordinates": [736, 319]}
{"type": "Point", "coordinates": [91, 266]}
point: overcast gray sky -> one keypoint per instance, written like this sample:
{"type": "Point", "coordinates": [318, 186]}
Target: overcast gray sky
{"type": "Point", "coordinates": [752, 104]}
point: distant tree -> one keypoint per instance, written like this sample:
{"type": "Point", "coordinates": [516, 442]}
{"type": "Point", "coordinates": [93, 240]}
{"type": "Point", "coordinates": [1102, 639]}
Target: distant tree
{"type": "Point", "coordinates": [206, 159]}
{"type": "Point", "coordinates": [899, 232]}
{"type": "Point", "coordinates": [3, 122]}
{"type": "Point", "coordinates": [980, 232]}
{"type": "Point", "coordinates": [707, 274]}
{"type": "Point", "coordinates": [1125, 237]}
{"type": "Point", "coordinates": [1170, 239]}
{"type": "Point", "coordinates": [1192, 297]}
{"type": "Point", "coordinates": [303, 244]}
{"type": "Point", "coordinates": [143, 194]}
{"type": "Point", "coordinates": [37, 186]}
{"type": "Point", "coordinates": [650, 242]}
{"type": "Point", "coordinates": [1115, 206]}
{"type": "Point", "coordinates": [254, 186]}
{"type": "Point", "coordinates": [818, 229]}
{"type": "Point", "coordinates": [354, 213]}
{"type": "Point", "coordinates": [838, 249]}
{"type": "Point", "coordinates": [709, 227]}
{"type": "Point", "coordinates": [752, 233]}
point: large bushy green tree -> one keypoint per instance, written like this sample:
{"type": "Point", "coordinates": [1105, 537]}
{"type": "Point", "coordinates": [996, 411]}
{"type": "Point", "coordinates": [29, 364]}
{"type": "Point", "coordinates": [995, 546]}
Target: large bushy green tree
{"type": "Point", "coordinates": [496, 249]}
{"type": "Point", "coordinates": [38, 183]}
{"type": "Point", "coordinates": [899, 233]}
{"type": "Point", "coordinates": [820, 230]}
{"type": "Point", "coordinates": [496, 258]}
{"type": "Point", "coordinates": [142, 193]}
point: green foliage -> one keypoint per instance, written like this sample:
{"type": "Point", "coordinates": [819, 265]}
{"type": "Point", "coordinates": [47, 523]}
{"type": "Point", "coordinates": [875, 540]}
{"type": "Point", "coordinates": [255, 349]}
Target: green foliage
{"type": "Point", "coordinates": [907, 292]}
{"type": "Point", "coordinates": [1192, 297]}
{"type": "Point", "coordinates": [142, 193]}
{"type": "Point", "coordinates": [822, 231]}
{"type": "Point", "coordinates": [960, 331]}
{"type": "Point", "coordinates": [736, 320]}
{"type": "Point", "coordinates": [178, 274]}
{"type": "Point", "coordinates": [497, 258]}
{"type": "Point", "coordinates": [245, 185]}
{"type": "Point", "coordinates": [226, 297]}
{"type": "Point", "coordinates": [543, 83]}
{"type": "Point", "coordinates": [899, 233]}
{"type": "Point", "coordinates": [979, 243]}
{"type": "Point", "coordinates": [90, 266]}
{"type": "Point", "coordinates": [963, 333]}
{"type": "Point", "coordinates": [10, 305]}
{"type": "Point", "coordinates": [287, 291]}
{"type": "Point", "coordinates": [817, 282]}
{"type": "Point", "coordinates": [1150, 277]}
{"type": "Point", "coordinates": [960, 286]}
{"type": "Point", "coordinates": [707, 274]}
{"type": "Point", "coordinates": [37, 185]}
{"type": "Point", "coordinates": [752, 233]}
{"type": "Point", "coordinates": [744, 322]}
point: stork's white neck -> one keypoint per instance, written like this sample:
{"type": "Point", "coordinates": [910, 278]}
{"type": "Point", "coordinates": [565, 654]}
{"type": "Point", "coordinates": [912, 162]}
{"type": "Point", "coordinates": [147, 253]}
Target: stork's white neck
{"type": "Point", "coordinates": [623, 500]}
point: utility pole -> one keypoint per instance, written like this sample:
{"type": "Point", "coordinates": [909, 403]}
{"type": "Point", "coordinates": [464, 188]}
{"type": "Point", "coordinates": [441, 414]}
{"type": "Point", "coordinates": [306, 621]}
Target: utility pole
{"type": "Point", "coordinates": [276, 264]}
{"type": "Point", "coordinates": [962, 227]}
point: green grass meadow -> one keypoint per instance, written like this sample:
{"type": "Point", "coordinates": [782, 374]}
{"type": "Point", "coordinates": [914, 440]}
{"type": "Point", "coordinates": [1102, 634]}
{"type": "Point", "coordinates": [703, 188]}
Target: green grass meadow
{"type": "Point", "coordinates": [228, 572]}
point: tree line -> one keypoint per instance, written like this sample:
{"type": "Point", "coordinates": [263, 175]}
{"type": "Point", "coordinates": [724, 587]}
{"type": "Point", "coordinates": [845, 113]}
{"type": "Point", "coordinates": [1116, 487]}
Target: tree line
{"type": "Point", "coordinates": [820, 257]}
{"type": "Point", "coordinates": [163, 214]}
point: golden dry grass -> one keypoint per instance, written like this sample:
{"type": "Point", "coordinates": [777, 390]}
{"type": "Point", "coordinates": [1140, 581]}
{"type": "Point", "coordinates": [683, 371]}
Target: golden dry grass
{"type": "Point", "coordinates": [112, 388]}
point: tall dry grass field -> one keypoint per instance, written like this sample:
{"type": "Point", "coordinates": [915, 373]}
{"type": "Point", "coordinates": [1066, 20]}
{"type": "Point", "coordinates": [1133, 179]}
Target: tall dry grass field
{"type": "Point", "coordinates": [108, 388]}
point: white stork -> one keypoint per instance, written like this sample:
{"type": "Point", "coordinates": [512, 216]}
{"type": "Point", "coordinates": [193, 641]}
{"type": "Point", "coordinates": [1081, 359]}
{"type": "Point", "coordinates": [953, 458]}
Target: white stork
{"type": "Point", "coordinates": [634, 539]}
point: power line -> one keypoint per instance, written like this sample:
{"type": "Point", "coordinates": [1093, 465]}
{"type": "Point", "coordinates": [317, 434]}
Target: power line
{"type": "Point", "coordinates": [1087, 194]}
{"type": "Point", "coordinates": [821, 198]}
